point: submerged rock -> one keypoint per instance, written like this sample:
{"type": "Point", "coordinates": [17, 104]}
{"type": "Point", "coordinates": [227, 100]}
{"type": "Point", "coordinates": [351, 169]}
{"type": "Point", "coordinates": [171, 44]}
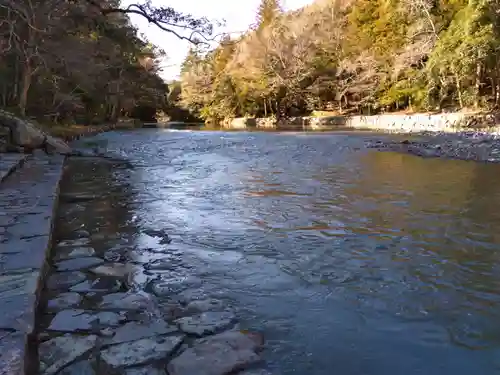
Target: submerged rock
{"type": "Point", "coordinates": [141, 351]}
{"type": "Point", "coordinates": [63, 280]}
{"type": "Point", "coordinates": [166, 287]}
{"type": "Point", "coordinates": [63, 301]}
{"type": "Point", "coordinates": [97, 286]}
{"type": "Point", "coordinates": [112, 269]}
{"type": "Point", "coordinates": [61, 351]}
{"type": "Point", "coordinates": [205, 305]}
{"type": "Point", "coordinates": [206, 323]}
{"type": "Point", "coordinates": [75, 252]}
{"type": "Point", "coordinates": [148, 370]}
{"type": "Point", "coordinates": [126, 301]}
{"type": "Point", "coordinates": [81, 320]}
{"type": "Point", "coordinates": [221, 354]}
{"type": "Point", "coordinates": [77, 197]}
{"type": "Point", "coordinates": [73, 242]}
{"type": "Point", "coordinates": [78, 263]}
{"type": "Point", "coordinates": [133, 331]}
{"type": "Point", "coordinates": [79, 368]}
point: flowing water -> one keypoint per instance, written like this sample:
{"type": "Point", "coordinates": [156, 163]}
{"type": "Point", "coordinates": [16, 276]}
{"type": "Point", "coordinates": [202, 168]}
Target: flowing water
{"type": "Point", "coordinates": [350, 261]}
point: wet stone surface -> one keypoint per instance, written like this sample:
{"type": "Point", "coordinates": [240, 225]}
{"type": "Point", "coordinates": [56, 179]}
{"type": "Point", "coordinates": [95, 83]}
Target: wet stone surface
{"type": "Point", "coordinates": [118, 306]}
{"type": "Point", "coordinates": [27, 198]}
{"type": "Point", "coordinates": [8, 162]}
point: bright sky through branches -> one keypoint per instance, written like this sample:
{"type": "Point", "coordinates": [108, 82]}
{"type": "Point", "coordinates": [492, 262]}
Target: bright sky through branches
{"type": "Point", "coordinates": [238, 14]}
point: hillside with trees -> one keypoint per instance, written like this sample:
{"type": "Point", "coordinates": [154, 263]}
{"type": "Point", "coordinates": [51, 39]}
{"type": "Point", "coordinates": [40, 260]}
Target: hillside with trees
{"type": "Point", "coordinates": [66, 61]}
{"type": "Point", "coordinates": [352, 56]}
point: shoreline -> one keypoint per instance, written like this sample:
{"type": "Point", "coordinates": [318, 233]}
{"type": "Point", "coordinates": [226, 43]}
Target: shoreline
{"type": "Point", "coordinates": [74, 132]}
{"type": "Point", "coordinates": [477, 146]}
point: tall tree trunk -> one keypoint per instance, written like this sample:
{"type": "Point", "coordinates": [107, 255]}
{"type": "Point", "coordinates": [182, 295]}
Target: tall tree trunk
{"type": "Point", "coordinates": [477, 86]}
{"type": "Point", "coordinates": [25, 87]}
{"type": "Point", "coordinates": [459, 91]}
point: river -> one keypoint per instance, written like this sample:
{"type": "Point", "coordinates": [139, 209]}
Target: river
{"type": "Point", "coordinates": [350, 261]}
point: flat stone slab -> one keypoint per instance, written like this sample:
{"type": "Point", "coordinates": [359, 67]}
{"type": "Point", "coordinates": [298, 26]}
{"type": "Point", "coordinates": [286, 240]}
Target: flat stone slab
{"type": "Point", "coordinates": [79, 368]}
{"type": "Point", "coordinates": [206, 323]}
{"type": "Point", "coordinates": [148, 370]}
{"type": "Point", "coordinates": [74, 252]}
{"type": "Point", "coordinates": [64, 280]}
{"type": "Point", "coordinates": [97, 286]}
{"type": "Point", "coordinates": [9, 162]}
{"type": "Point", "coordinates": [61, 351]}
{"type": "Point", "coordinates": [78, 264]}
{"type": "Point", "coordinates": [133, 331]}
{"type": "Point", "coordinates": [80, 320]}
{"type": "Point", "coordinates": [11, 352]}
{"type": "Point", "coordinates": [221, 354]}
{"type": "Point", "coordinates": [63, 301]}
{"type": "Point", "coordinates": [139, 352]}
{"type": "Point", "coordinates": [112, 269]}
{"type": "Point", "coordinates": [126, 301]}
{"type": "Point", "coordinates": [18, 298]}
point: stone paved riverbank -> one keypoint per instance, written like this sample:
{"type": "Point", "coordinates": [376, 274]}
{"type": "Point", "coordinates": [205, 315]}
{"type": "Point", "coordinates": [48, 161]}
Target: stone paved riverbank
{"type": "Point", "coordinates": [27, 200]}
{"type": "Point", "coordinates": [9, 163]}
{"type": "Point", "coordinates": [108, 310]}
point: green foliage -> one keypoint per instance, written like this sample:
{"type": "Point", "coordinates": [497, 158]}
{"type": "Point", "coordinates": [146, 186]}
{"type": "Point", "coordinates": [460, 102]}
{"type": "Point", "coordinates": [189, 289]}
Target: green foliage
{"type": "Point", "coordinates": [353, 56]}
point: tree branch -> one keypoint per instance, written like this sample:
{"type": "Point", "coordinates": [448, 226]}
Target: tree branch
{"type": "Point", "coordinates": [165, 18]}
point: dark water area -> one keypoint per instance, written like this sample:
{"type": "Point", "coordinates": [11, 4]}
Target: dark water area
{"type": "Point", "coordinates": [350, 261]}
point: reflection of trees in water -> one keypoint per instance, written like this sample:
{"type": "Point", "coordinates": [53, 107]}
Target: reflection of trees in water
{"type": "Point", "coordinates": [444, 216]}
{"type": "Point", "coordinates": [110, 212]}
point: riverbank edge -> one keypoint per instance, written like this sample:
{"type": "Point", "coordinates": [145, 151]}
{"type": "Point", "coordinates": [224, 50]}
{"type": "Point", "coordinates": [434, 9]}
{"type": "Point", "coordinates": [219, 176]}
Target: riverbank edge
{"type": "Point", "coordinates": [74, 132]}
{"type": "Point", "coordinates": [51, 170]}
{"type": "Point", "coordinates": [453, 122]}
{"type": "Point", "coordinates": [31, 350]}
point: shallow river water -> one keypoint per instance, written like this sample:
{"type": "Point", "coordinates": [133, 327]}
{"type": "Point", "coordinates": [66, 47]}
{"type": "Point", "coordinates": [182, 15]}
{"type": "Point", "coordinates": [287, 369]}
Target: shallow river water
{"type": "Point", "coordinates": [348, 260]}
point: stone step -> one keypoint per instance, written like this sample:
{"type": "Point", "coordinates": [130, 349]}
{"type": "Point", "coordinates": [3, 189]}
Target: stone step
{"type": "Point", "coordinates": [9, 163]}
{"type": "Point", "coordinates": [28, 197]}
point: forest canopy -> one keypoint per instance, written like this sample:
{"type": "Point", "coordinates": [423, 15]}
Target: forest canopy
{"type": "Point", "coordinates": [82, 60]}
{"type": "Point", "coordinates": [357, 56]}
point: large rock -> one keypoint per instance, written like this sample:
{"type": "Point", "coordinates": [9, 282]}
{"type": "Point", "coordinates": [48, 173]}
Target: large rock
{"type": "Point", "coordinates": [222, 354]}
{"type": "Point", "coordinates": [26, 134]}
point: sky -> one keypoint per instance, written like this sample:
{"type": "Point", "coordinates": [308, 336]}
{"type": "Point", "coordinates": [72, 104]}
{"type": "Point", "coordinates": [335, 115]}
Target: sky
{"type": "Point", "coordinates": [238, 14]}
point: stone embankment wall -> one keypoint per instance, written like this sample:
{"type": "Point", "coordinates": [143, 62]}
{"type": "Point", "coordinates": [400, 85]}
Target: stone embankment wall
{"type": "Point", "coordinates": [402, 123]}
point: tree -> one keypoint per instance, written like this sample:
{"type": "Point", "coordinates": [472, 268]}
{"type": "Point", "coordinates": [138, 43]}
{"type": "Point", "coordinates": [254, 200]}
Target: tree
{"type": "Point", "coordinates": [268, 11]}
